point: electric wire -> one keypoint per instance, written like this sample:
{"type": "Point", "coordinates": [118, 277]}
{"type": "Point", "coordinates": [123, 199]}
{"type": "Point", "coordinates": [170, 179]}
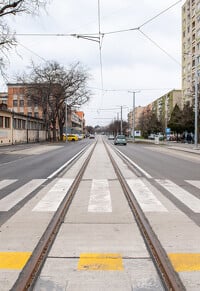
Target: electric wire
{"type": "Point", "coordinates": [162, 12]}
{"type": "Point", "coordinates": [31, 51]}
{"type": "Point", "coordinates": [157, 45]}
{"type": "Point", "coordinates": [100, 48]}
{"type": "Point", "coordinates": [99, 38]}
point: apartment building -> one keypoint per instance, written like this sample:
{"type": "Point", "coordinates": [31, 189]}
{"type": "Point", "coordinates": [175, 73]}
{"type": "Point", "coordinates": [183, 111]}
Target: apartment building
{"type": "Point", "coordinates": [190, 48]}
{"type": "Point", "coordinates": [137, 115]}
{"type": "Point", "coordinates": [164, 105]}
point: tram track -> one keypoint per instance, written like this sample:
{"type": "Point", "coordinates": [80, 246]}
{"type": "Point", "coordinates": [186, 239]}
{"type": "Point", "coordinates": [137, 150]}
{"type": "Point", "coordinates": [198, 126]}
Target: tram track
{"type": "Point", "coordinates": [32, 269]}
{"type": "Point", "coordinates": [169, 277]}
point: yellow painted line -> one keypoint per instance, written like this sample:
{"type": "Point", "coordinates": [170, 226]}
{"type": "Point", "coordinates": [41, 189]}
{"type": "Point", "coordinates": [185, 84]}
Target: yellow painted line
{"type": "Point", "coordinates": [185, 262]}
{"type": "Point", "coordinates": [13, 260]}
{"type": "Point", "coordinates": [100, 262]}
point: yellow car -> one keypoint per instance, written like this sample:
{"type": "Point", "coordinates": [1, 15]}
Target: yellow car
{"type": "Point", "coordinates": [72, 137]}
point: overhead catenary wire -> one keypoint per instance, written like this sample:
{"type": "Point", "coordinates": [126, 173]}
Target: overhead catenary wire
{"type": "Point", "coordinates": [158, 46]}
{"type": "Point", "coordinates": [98, 37]}
{"type": "Point", "coordinates": [100, 48]}
{"type": "Point", "coordinates": [157, 15]}
{"type": "Point", "coordinates": [32, 52]}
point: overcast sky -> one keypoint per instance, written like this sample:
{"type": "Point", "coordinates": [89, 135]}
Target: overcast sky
{"type": "Point", "coordinates": [131, 61]}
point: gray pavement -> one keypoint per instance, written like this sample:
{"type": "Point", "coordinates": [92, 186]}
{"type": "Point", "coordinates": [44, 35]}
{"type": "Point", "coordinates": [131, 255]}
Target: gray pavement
{"type": "Point", "coordinates": [184, 147]}
{"type": "Point", "coordinates": [99, 246]}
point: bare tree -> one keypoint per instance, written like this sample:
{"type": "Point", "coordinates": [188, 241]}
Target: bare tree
{"type": "Point", "coordinates": [7, 36]}
{"type": "Point", "coordinates": [51, 85]}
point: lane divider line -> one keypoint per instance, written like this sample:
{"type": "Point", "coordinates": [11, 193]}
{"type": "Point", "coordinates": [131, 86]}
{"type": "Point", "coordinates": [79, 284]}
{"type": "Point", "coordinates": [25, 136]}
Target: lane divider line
{"type": "Point", "coordinates": [135, 165]}
{"type": "Point", "coordinates": [66, 164]}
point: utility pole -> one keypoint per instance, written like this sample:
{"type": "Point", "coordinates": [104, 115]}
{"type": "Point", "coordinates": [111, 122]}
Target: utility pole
{"type": "Point", "coordinates": [195, 98]}
{"type": "Point", "coordinates": [196, 105]}
{"type": "Point", "coordinates": [66, 118]}
{"type": "Point", "coordinates": [121, 131]}
{"type": "Point", "coordinates": [117, 123]}
{"type": "Point", "coordinates": [133, 115]}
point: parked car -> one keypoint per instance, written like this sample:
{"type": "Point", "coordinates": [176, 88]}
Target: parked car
{"type": "Point", "coordinates": [151, 136]}
{"type": "Point", "coordinates": [120, 139]}
{"type": "Point", "coordinates": [80, 136]}
{"type": "Point", "coordinates": [72, 137]}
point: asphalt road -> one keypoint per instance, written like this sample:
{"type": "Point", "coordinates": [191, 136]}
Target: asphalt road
{"type": "Point", "coordinates": [22, 164]}
{"type": "Point", "coordinates": [172, 172]}
{"type": "Point", "coordinates": [27, 162]}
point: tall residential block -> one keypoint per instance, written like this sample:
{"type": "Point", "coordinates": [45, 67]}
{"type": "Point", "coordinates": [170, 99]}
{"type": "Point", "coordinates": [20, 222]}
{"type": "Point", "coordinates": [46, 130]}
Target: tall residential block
{"type": "Point", "coordinates": [163, 106]}
{"type": "Point", "coordinates": [190, 48]}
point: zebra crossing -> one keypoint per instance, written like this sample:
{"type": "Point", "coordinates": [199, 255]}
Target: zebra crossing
{"type": "Point", "coordinates": [19, 194]}
{"type": "Point", "coordinates": [148, 201]}
{"type": "Point", "coordinates": [181, 194]}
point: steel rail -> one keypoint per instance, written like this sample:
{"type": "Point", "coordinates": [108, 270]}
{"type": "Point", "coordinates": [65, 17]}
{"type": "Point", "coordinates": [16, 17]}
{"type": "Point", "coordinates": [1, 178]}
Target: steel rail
{"type": "Point", "coordinates": [168, 275]}
{"type": "Point", "coordinates": [31, 270]}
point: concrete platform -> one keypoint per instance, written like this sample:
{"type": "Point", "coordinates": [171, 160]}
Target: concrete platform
{"type": "Point", "coordinates": [91, 236]}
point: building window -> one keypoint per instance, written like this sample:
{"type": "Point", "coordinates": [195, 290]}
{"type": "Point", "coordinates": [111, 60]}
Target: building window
{"type": "Point", "coordinates": [14, 123]}
{"type": "Point", "coordinates": [29, 103]}
{"type": "Point", "coordinates": [21, 103]}
{"type": "Point", "coordinates": [23, 124]}
{"type": "Point", "coordinates": [15, 103]}
{"type": "Point", "coordinates": [1, 121]}
{"type": "Point", "coordinates": [7, 122]}
{"type": "Point", "coordinates": [19, 123]}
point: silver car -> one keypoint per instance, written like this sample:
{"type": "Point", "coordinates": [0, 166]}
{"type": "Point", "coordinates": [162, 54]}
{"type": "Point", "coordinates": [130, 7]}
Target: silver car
{"type": "Point", "coordinates": [120, 139]}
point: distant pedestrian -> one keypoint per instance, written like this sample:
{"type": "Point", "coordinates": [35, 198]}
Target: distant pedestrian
{"type": "Point", "coordinates": [189, 138]}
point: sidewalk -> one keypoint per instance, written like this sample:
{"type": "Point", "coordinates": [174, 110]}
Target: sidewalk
{"type": "Point", "coordinates": [173, 145]}
{"type": "Point", "coordinates": [183, 147]}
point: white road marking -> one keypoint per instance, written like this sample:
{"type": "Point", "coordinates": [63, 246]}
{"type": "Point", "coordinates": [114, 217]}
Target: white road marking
{"type": "Point", "coordinates": [146, 199]}
{"type": "Point", "coordinates": [16, 196]}
{"type": "Point", "coordinates": [51, 201]}
{"type": "Point", "coordinates": [6, 182]}
{"type": "Point", "coordinates": [184, 196]}
{"type": "Point", "coordinates": [65, 165]}
{"type": "Point", "coordinates": [135, 165]}
{"type": "Point", "coordinates": [100, 199]}
{"type": "Point", "coordinates": [195, 183]}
